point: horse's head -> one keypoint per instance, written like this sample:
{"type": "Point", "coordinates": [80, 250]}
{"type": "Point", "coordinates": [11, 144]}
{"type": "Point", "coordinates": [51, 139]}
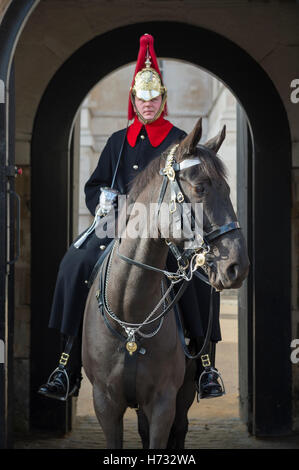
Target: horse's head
{"type": "Point", "coordinates": [206, 183]}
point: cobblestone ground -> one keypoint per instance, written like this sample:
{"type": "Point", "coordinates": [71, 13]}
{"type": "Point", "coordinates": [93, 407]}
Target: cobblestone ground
{"type": "Point", "coordinates": [207, 432]}
{"type": "Point", "coordinates": [213, 424]}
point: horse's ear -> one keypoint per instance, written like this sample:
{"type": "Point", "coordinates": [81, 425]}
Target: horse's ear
{"type": "Point", "coordinates": [192, 139]}
{"type": "Point", "coordinates": [216, 142]}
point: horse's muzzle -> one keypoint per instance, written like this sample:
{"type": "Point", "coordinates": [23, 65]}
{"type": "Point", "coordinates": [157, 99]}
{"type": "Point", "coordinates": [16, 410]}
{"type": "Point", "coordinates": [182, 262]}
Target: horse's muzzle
{"type": "Point", "coordinates": [234, 274]}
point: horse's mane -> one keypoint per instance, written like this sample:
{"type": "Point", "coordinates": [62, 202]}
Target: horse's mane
{"type": "Point", "coordinates": [146, 176]}
{"type": "Point", "coordinates": [211, 167]}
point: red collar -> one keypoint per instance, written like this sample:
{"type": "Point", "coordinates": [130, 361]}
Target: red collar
{"type": "Point", "coordinates": [157, 131]}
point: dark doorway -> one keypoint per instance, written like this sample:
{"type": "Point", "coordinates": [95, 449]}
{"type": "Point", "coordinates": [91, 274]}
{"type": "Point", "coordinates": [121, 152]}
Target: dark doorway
{"type": "Point", "coordinates": [269, 408]}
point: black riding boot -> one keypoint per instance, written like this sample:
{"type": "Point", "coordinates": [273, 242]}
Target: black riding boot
{"type": "Point", "coordinates": [65, 382]}
{"type": "Point", "coordinates": [209, 381]}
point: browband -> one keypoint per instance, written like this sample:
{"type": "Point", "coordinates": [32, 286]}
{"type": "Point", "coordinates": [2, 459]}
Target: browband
{"type": "Point", "coordinates": [186, 163]}
{"type": "Point", "coordinates": [183, 165]}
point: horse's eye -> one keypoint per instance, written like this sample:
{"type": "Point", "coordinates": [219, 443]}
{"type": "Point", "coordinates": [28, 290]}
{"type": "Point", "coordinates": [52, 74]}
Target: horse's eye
{"type": "Point", "coordinates": [199, 188]}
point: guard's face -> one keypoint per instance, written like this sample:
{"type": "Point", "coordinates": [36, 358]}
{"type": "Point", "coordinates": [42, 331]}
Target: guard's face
{"type": "Point", "coordinates": [148, 109]}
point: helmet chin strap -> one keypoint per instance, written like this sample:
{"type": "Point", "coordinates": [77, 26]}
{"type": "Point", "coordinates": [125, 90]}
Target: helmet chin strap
{"type": "Point", "coordinates": [158, 113]}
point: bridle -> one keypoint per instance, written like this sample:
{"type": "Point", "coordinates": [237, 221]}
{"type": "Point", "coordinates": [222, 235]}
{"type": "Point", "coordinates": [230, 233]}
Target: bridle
{"type": "Point", "coordinates": [188, 260]}
{"type": "Point", "coordinates": [177, 198]}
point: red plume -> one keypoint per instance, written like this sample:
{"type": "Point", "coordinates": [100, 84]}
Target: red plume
{"type": "Point", "coordinates": [146, 40]}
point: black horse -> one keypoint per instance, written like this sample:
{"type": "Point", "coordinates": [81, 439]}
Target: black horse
{"type": "Point", "coordinates": [131, 293]}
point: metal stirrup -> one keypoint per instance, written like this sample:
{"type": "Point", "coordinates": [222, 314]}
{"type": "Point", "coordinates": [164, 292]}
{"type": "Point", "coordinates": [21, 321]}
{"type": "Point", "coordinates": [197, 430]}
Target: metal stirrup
{"type": "Point", "coordinates": [215, 371]}
{"type": "Point", "coordinates": [62, 364]}
{"type": "Point", "coordinates": [62, 369]}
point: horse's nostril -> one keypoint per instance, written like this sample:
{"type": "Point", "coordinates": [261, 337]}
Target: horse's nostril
{"type": "Point", "coordinates": [233, 271]}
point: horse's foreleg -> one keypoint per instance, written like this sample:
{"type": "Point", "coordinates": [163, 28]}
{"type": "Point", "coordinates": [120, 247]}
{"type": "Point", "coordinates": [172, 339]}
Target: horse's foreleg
{"type": "Point", "coordinates": [185, 398]}
{"type": "Point", "coordinates": [162, 417]}
{"type": "Point", "coordinates": [179, 429]}
{"type": "Point", "coordinates": [143, 428]}
{"type": "Point", "coordinates": [110, 417]}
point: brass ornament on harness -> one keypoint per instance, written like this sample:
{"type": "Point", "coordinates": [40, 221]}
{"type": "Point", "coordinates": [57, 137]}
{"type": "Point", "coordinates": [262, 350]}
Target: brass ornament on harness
{"type": "Point", "coordinates": [180, 197]}
{"type": "Point", "coordinates": [172, 206]}
{"type": "Point", "coordinates": [131, 347]}
{"type": "Point", "coordinates": [168, 170]}
{"type": "Point", "coordinates": [200, 259]}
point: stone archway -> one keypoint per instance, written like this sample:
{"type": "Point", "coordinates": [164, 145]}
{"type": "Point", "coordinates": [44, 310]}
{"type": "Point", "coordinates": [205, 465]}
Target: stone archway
{"type": "Point", "coordinates": [269, 292]}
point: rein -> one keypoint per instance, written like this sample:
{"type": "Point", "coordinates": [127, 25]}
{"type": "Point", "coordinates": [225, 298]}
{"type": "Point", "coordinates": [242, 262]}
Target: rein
{"type": "Point", "coordinates": [132, 328]}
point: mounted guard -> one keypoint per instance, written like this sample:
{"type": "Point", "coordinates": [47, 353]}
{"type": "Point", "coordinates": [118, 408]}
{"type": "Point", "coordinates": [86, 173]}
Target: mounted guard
{"type": "Point", "coordinates": [127, 153]}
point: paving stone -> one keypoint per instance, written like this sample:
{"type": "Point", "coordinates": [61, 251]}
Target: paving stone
{"type": "Point", "coordinates": [214, 434]}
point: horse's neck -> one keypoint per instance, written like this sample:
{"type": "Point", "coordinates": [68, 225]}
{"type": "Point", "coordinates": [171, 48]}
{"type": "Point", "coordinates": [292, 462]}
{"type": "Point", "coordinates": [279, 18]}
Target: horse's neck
{"type": "Point", "coordinates": [134, 291]}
